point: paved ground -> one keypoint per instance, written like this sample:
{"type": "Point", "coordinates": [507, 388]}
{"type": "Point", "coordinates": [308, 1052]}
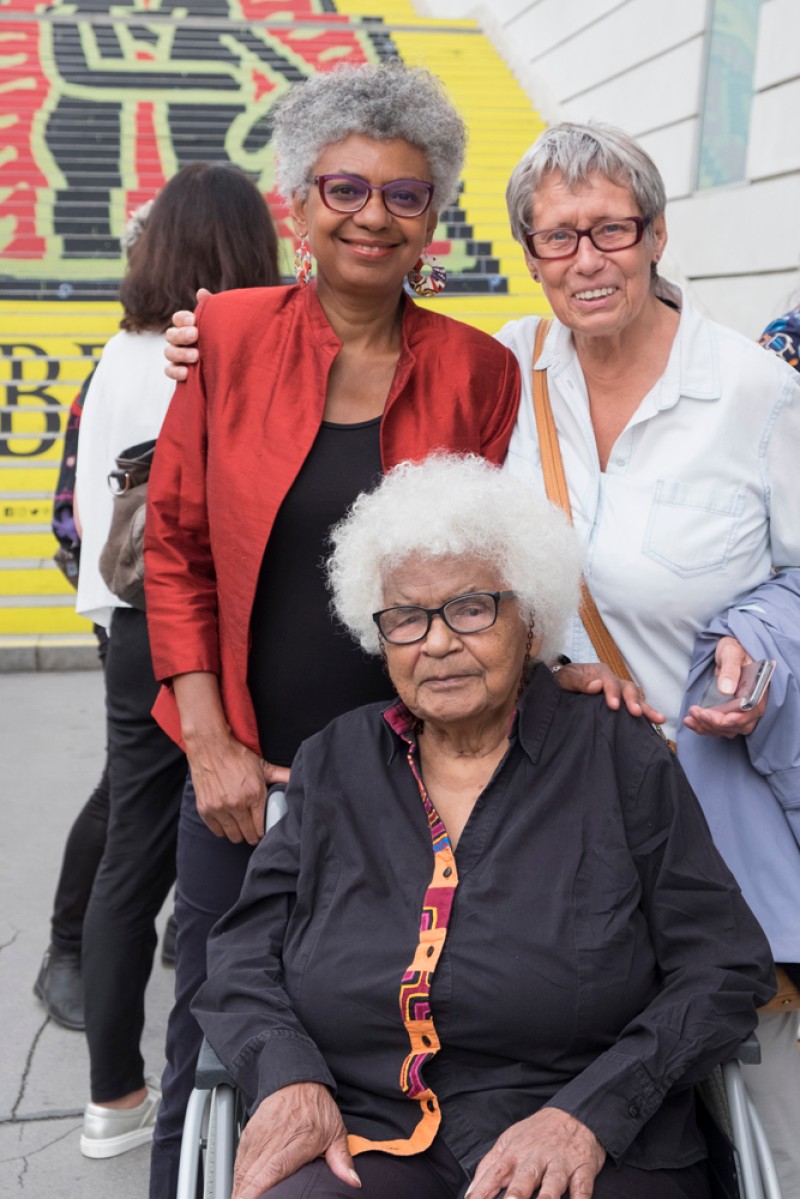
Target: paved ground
{"type": "Point", "coordinates": [51, 750]}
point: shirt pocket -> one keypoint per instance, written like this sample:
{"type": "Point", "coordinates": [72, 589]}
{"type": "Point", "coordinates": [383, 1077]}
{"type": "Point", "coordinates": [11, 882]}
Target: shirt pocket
{"type": "Point", "coordinates": [691, 529]}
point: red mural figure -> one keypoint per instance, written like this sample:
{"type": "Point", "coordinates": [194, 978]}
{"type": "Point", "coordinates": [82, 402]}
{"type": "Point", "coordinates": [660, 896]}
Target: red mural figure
{"type": "Point", "coordinates": [110, 100]}
{"type": "Point", "coordinates": [24, 90]}
{"type": "Point", "coordinates": [128, 93]}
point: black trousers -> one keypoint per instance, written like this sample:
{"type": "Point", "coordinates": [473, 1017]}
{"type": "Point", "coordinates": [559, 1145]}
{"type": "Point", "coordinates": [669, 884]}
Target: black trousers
{"type": "Point", "coordinates": [437, 1175]}
{"type": "Point", "coordinates": [137, 869]}
{"type": "Point", "coordinates": [82, 853]}
{"type": "Point", "coordinates": [211, 871]}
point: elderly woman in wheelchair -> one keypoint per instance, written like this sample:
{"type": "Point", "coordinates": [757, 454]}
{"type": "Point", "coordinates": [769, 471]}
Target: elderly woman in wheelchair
{"type": "Point", "coordinates": [490, 947]}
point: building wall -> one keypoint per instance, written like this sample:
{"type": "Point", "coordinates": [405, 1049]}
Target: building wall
{"type": "Point", "coordinates": [661, 72]}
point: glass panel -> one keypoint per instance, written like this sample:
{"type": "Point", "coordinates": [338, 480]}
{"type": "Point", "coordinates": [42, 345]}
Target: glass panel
{"type": "Point", "coordinates": [725, 121]}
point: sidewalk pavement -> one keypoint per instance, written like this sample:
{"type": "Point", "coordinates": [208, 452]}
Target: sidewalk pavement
{"type": "Point", "coordinates": [51, 755]}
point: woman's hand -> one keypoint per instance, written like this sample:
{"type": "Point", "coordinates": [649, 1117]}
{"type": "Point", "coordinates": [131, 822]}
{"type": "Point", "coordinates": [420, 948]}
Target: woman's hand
{"type": "Point", "coordinates": [181, 337]}
{"type": "Point", "coordinates": [591, 678]}
{"type": "Point", "coordinates": [711, 722]}
{"type": "Point", "coordinates": [292, 1127]}
{"type": "Point", "coordinates": [229, 780]}
{"type": "Point", "coordinates": [551, 1150]}
{"type": "Point", "coordinates": [230, 783]}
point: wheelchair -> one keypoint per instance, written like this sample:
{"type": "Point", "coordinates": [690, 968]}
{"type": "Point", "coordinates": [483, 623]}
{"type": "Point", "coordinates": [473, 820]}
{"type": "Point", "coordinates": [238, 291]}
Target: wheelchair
{"type": "Point", "coordinates": [739, 1157]}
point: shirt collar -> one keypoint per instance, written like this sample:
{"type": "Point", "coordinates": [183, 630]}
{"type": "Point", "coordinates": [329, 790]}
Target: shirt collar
{"type": "Point", "coordinates": [537, 707]}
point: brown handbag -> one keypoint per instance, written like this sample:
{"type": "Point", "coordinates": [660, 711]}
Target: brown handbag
{"type": "Point", "coordinates": [122, 557]}
{"type": "Point", "coordinates": [555, 485]}
{"type": "Point", "coordinates": [787, 998]}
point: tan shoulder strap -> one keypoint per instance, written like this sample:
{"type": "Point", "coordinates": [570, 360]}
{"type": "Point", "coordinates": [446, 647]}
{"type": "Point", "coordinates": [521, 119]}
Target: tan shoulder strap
{"type": "Point", "coordinates": [555, 485]}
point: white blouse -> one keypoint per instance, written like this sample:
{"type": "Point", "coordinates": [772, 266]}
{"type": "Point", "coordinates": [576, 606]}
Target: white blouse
{"type": "Point", "coordinates": [699, 499]}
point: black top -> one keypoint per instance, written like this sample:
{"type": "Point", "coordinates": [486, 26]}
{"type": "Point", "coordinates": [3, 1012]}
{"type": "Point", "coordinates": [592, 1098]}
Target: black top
{"type": "Point", "coordinates": [598, 955]}
{"type": "Point", "coordinates": [304, 668]}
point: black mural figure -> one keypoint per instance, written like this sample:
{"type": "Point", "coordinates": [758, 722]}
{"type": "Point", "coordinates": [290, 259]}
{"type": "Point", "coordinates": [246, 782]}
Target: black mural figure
{"type": "Point", "coordinates": [197, 69]}
{"type": "Point", "coordinates": [195, 58]}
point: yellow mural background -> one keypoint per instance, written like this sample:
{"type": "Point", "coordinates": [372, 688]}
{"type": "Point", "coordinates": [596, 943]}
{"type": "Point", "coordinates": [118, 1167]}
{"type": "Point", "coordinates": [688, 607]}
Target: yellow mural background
{"type": "Point", "coordinates": [47, 346]}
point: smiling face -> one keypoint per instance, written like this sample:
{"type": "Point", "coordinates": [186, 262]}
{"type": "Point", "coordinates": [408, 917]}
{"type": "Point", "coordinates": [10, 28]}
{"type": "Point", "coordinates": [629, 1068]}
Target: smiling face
{"type": "Point", "coordinates": [595, 293]}
{"type": "Point", "coordinates": [451, 678]}
{"type": "Point", "coordinates": [372, 249]}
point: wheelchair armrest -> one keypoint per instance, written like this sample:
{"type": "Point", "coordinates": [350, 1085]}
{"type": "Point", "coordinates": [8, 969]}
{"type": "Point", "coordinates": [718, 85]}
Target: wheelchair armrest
{"type": "Point", "coordinates": [210, 1070]}
{"type": "Point", "coordinates": [749, 1051]}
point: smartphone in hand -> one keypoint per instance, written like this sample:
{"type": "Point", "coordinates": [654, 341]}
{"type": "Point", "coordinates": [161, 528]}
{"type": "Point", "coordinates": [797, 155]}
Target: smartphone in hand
{"type": "Point", "coordinates": [753, 682]}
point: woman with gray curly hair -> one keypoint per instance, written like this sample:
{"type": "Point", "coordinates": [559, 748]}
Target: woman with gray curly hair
{"type": "Point", "coordinates": [491, 928]}
{"type": "Point", "coordinates": [305, 395]}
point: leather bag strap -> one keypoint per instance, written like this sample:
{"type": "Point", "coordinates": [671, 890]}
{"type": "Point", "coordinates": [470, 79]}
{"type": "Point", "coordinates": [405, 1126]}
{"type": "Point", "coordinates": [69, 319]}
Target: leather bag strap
{"type": "Point", "coordinates": [555, 485]}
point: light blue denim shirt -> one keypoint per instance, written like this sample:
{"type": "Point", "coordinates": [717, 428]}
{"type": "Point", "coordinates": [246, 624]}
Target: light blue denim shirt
{"type": "Point", "coordinates": [749, 787]}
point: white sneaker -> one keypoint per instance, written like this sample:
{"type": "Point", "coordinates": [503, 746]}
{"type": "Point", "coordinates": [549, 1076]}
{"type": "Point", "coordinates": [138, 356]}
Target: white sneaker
{"type": "Point", "coordinates": [109, 1131]}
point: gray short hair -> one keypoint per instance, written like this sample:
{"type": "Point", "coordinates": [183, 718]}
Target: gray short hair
{"type": "Point", "coordinates": [384, 101]}
{"type": "Point", "coordinates": [463, 506]}
{"type": "Point", "coordinates": [578, 152]}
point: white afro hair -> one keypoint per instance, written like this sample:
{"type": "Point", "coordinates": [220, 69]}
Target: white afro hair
{"type": "Point", "coordinates": [454, 505]}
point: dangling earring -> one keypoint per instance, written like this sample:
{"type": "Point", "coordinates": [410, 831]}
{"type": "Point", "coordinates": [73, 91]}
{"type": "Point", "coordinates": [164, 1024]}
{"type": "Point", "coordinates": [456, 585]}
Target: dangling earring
{"type": "Point", "coordinates": [523, 682]}
{"type": "Point", "coordinates": [303, 263]}
{"type": "Point", "coordinates": [431, 284]}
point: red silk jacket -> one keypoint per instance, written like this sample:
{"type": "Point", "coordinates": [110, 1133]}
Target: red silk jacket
{"type": "Point", "coordinates": [235, 437]}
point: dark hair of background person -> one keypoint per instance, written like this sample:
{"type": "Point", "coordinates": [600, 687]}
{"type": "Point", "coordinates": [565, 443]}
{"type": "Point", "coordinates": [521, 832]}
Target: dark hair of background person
{"type": "Point", "coordinates": [209, 227]}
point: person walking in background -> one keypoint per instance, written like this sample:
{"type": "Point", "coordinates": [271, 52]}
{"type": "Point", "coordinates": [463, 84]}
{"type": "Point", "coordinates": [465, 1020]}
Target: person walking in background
{"type": "Point", "coordinates": [59, 983]}
{"type": "Point", "coordinates": [782, 336]}
{"type": "Point", "coordinates": [209, 226]}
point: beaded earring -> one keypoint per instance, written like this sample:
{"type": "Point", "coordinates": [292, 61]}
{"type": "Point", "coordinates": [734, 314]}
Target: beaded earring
{"type": "Point", "coordinates": [430, 284]}
{"type": "Point", "coordinates": [303, 263]}
{"type": "Point", "coordinates": [526, 665]}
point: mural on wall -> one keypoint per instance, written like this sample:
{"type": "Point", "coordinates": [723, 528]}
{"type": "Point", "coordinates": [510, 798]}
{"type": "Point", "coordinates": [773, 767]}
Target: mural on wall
{"type": "Point", "coordinates": [113, 99]}
{"type": "Point", "coordinates": [102, 103]}
{"type": "Point", "coordinates": [728, 92]}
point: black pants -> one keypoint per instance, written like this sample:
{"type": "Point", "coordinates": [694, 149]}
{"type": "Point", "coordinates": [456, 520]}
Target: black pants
{"type": "Point", "coordinates": [146, 775]}
{"type": "Point", "coordinates": [437, 1175]}
{"type": "Point", "coordinates": [211, 871]}
{"type": "Point", "coordinates": [82, 853]}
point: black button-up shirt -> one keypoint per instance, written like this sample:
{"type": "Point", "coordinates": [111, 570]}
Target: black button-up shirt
{"type": "Point", "coordinates": [599, 957]}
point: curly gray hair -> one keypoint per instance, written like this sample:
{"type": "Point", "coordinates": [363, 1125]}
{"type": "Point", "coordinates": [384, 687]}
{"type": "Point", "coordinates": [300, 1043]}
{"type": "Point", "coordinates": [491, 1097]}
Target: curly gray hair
{"type": "Point", "coordinates": [134, 226]}
{"type": "Point", "coordinates": [384, 101]}
{"type": "Point", "coordinates": [453, 505]}
{"type": "Point", "coordinates": [578, 152]}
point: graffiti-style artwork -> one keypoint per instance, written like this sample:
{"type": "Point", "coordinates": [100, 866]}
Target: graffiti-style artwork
{"type": "Point", "coordinates": [113, 99]}
{"type": "Point", "coordinates": [100, 104]}
{"type": "Point", "coordinates": [109, 100]}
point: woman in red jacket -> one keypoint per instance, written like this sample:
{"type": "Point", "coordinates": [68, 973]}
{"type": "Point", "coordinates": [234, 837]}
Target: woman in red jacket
{"type": "Point", "coordinates": [304, 396]}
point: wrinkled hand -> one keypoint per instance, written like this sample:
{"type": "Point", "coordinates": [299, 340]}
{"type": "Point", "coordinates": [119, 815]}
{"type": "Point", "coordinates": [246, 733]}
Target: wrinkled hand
{"type": "Point", "coordinates": [230, 783]}
{"type": "Point", "coordinates": [181, 338]}
{"type": "Point", "coordinates": [551, 1150]}
{"type": "Point", "coordinates": [590, 678]}
{"type": "Point", "coordinates": [711, 722]}
{"type": "Point", "coordinates": [292, 1127]}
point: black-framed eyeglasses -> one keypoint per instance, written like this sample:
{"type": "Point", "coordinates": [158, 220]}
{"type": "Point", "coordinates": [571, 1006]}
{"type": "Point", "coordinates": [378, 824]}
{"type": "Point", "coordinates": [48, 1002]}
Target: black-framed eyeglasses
{"type": "Point", "coordinates": [348, 193]}
{"type": "Point", "coordinates": [470, 613]}
{"type": "Point", "coordinates": [606, 236]}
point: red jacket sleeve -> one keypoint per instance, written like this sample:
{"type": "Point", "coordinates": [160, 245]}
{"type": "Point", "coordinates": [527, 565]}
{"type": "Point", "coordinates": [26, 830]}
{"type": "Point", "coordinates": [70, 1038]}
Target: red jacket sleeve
{"type": "Point", "coordinates": [180, 581]}
{"type": "Point", "coordinates": [502, 415]}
